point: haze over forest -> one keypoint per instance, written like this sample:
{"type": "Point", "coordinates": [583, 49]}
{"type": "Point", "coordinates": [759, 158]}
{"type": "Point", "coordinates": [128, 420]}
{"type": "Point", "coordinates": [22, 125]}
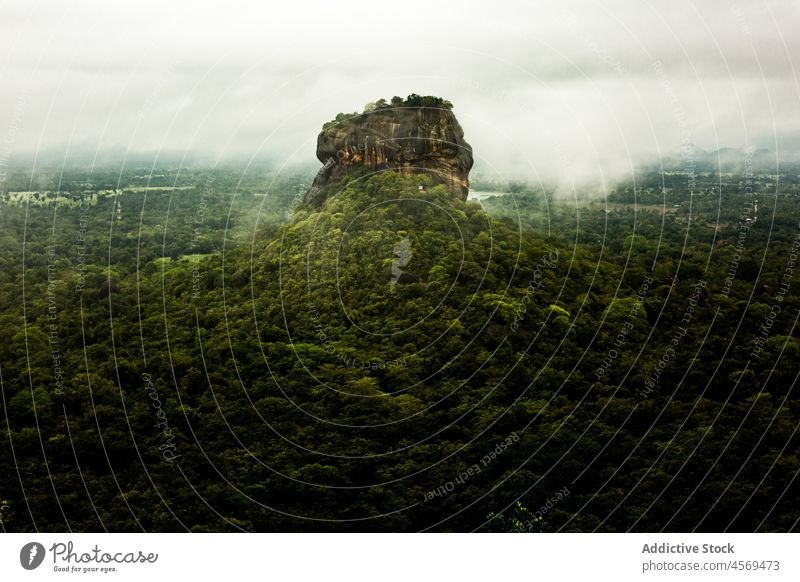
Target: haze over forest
{"type": "Point", "coordinates": [400, 267]}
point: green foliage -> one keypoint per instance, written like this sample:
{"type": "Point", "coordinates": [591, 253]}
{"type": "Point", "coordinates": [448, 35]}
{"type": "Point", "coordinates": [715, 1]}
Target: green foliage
{"type": "Point", "coordinates": [519, 519]}
{"type": "Point", "coordinates": [5, 514]}
{"type": "Point", "coordinates": [412, 100]}
{"type": "Point", "coordinates": [339, 365]}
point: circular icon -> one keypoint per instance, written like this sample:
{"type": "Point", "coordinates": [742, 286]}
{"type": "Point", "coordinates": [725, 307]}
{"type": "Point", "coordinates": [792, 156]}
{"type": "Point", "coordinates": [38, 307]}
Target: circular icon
{"type": "Point", "coordinates": [31, 555]}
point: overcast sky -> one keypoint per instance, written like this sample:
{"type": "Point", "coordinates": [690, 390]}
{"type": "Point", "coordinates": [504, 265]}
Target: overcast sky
{"type": "Point", "coordinates": [575, 88]}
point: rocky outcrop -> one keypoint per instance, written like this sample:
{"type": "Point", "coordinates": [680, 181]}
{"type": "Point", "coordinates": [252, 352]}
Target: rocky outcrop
{"type": "Point", "coordinates": [402, 138]}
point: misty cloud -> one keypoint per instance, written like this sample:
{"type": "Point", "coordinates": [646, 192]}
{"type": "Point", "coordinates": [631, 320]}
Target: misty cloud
{"type": "Point", "coordinates": [582, 91]}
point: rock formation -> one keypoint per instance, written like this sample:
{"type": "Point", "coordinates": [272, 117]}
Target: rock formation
{"type": "Point", "coordinates": [418, 135]}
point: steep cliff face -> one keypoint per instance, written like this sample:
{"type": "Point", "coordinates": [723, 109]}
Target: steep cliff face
{"type": "Point", "coordinates": [404, 138]}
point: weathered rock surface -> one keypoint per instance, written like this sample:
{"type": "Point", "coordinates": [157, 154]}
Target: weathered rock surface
{"type": "Point", "coordinates": [405, 139]}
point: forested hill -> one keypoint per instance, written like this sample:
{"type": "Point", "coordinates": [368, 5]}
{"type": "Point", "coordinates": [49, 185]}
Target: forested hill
{"type": "Point", "coordinates": [392, 360]}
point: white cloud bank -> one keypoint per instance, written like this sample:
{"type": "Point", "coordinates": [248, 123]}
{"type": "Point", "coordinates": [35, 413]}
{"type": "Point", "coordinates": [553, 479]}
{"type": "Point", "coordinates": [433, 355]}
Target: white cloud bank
{"type": "Point", "coordinates": [582, 90]}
